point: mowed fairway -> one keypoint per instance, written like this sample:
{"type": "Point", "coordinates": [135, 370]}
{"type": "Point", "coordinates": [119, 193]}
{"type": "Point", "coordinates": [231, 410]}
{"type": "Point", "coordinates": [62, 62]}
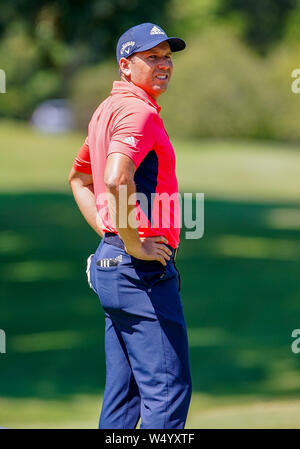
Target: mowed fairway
{"type": "Point", "coordinates": [240, 285]}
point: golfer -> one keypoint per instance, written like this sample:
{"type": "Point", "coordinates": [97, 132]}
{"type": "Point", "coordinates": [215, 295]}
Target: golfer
{"type": "Point", "coordinates": [124, 183]}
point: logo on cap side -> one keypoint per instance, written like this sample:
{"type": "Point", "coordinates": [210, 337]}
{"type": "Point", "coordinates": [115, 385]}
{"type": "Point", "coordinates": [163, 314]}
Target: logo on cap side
{"type": "Point", "coordinates": [125, 47]}
{"type": "Point", "coordinates": [155, 30]}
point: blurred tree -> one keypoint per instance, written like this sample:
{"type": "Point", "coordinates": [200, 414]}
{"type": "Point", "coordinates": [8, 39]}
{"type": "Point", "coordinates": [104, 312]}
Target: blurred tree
{"type": "Point", "coordinates": [44, 44]}
{"type": "Point", "coordinates": [51, 40]}
{"type": "Point", "coordinates": [226, 91]}
{"type": "Point", "coordinates": [292, 27]}
{"type": "Point", "coordinates": [263, 21]}
{"type": "Point", "coordinates": [90, 26]}
{"type": "Point", "coordinates": [190, 18]}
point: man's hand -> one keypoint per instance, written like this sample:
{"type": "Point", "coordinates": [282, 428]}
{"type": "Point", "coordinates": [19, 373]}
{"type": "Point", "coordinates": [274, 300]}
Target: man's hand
{"type": "Point", "coordinates": [119, 171]}
{"type": "Point", "coordinates": [151, 248]}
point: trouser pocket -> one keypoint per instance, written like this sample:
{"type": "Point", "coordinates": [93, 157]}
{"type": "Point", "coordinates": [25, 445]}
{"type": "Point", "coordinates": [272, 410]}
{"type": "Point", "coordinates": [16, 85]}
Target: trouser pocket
{"type": "Point", "coordinates": [106, 280]}
{"type": "Point", "coordinates": [151, 273]}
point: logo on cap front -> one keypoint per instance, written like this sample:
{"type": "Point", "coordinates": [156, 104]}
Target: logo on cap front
{"type": "Point", "coordinates": [156, 30]}
{"type": "Point", "coordinates": [126, 47]}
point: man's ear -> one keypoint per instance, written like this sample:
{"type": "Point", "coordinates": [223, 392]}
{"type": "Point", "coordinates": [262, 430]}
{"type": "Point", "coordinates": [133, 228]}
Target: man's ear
{"type": "Point", "coordinates": [124, 65]}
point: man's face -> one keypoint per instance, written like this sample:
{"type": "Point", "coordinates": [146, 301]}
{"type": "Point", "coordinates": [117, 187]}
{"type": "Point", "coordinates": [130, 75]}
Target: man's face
{"type": "Point", "coordinates": [151, 69]}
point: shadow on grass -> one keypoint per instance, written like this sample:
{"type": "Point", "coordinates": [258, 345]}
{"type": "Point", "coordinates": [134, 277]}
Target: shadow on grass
{"type": "Point", "coordinates": [240, 292]}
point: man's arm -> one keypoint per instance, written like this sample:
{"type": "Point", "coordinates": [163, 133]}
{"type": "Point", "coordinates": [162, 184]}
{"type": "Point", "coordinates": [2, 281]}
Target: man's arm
{"type": "Point", "coordinates": [83, 191]}
{"type": "Point", "coordinates": [119, 171]}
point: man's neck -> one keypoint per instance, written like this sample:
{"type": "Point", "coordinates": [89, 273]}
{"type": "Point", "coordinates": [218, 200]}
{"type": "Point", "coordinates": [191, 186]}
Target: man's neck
{"type": "Point", "coordinates": [127, 80]}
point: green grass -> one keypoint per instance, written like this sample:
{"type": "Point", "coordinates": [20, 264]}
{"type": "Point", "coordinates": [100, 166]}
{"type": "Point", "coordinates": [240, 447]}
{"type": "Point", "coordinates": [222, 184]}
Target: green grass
{"type": "Point", "coordinates": [240, 287]}
{"type": "Point", "coordinates": [33, 161]}
{"type": "Point", "coordinates": [240, 170]}
{"type": "Point", "coordinates": [82, 412]}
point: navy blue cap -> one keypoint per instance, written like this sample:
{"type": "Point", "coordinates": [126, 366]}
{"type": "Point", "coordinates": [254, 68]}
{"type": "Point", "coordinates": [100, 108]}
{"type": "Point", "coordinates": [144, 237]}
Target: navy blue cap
{"type": "Point", "coordinates": [143, 37]}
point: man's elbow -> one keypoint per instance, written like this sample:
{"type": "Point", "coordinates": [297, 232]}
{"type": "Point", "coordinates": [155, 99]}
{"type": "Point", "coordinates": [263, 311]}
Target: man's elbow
{"type": "Point", "coordinates": [78, 179]}
{"type": "Point", "coordinates": [71, 177]}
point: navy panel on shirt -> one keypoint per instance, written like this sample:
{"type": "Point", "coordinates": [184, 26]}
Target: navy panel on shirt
{"type": "Point", "coordinates": [145, 179]}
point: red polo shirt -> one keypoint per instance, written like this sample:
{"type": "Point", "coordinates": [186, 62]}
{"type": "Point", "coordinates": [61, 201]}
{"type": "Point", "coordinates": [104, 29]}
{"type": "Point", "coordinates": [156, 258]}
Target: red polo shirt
{"type": "Point", "coordinates": [128, 122]}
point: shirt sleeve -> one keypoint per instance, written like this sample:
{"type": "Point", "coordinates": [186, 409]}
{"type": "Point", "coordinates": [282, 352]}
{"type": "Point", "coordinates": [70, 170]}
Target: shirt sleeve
{"type": "Point", "coordinates": [133, 135]}
{"type": "Point", "coordinates": [82, 161]}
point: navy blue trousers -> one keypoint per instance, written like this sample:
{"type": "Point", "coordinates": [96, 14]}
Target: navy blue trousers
{"type": "Point", "coordinates": [146, 345]}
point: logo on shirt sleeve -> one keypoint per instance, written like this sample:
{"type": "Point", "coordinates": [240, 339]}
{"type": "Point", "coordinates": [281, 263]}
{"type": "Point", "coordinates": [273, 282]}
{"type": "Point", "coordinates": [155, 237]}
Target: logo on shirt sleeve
{"type": "Point", "coordinates": [131, 141]}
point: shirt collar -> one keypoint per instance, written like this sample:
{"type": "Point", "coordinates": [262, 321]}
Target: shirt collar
{"type": "Point", "coordinates": [130, 89]}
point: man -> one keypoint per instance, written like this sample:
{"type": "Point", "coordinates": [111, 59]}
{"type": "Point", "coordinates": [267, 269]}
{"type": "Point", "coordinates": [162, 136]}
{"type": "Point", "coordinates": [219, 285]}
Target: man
{"type": "Point", "coordinates": [128, 154]}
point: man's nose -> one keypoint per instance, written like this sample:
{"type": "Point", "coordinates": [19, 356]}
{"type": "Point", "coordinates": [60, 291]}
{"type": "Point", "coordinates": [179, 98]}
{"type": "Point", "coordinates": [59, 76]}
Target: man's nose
{"type": "Point", "coordinates": [164, 64]}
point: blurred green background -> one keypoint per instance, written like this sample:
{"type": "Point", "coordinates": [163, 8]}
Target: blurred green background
{"type": "Point", "coordinates": [234, 124]}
